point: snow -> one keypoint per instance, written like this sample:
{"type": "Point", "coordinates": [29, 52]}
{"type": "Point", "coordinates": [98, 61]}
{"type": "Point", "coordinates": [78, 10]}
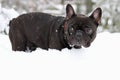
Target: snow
{"type": "Point", "coordinates": [101, 61]}
{"type": "Point", "coordinates": [5, 16]}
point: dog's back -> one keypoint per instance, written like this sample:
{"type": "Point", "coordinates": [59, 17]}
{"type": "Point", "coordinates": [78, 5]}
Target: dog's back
{"type": "Point", "coordinates": [33, 30]}
{"type": "Point", "coordinates": [28, 29]}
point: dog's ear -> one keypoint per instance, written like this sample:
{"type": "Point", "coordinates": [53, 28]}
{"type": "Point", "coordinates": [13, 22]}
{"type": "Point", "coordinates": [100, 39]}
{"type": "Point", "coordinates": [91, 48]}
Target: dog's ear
{"type": "Point", "coordinates": [69, 11]}
{"type": "Point", "coordinates": [97, 13]}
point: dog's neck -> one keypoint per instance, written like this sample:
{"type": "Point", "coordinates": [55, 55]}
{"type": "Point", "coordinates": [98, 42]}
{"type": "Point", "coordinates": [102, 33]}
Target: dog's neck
{"type": "Point", "coordinates": [65, 33]}
{"type": "Point", "coordinates": [62, 31]}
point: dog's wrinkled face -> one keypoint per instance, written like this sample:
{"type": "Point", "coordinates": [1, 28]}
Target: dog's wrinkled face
{"type": "Point", "coordinates": [79, 29]}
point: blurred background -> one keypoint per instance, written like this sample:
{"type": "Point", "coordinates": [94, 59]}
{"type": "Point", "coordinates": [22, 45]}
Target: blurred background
{"type": "Point", "coordinates": [110, 18]}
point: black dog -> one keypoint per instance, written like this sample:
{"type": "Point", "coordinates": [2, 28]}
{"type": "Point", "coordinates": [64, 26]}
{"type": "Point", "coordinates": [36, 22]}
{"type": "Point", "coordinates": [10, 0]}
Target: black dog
{"type": "Point", "coordinates": [42, 30]}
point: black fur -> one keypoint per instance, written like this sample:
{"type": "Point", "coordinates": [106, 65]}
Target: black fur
{"type": "Point", "coordinates": [43, 30]}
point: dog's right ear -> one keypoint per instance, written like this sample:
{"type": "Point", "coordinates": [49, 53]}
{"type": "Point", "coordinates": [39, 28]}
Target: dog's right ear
{"type": "Point", "coordinates": [96, 15]}
{"type": "Point", "coordinates": [69, 12]}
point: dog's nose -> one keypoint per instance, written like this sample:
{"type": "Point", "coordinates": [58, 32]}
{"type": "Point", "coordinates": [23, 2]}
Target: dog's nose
{"type": "Point", "coordinates": [78, 33]}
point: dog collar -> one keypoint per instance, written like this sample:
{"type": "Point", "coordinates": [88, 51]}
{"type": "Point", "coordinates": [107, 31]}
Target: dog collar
{"type": "Point", "coordinates": [65, 28]}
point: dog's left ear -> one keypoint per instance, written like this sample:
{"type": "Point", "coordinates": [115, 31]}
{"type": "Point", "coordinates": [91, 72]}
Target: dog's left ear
{"type": "Point", "coordinates": [97, 13]}
{"type": "Point", "coordinates": [69, 11]}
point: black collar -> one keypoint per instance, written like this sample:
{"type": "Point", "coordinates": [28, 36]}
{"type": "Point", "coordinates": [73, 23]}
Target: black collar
{"type": "Point", "coordinates": [63, 29]}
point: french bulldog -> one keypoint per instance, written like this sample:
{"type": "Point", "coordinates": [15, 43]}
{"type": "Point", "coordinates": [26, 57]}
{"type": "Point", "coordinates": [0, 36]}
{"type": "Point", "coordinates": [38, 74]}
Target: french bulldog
{"type": "Point", "coordinates": [37, 29]}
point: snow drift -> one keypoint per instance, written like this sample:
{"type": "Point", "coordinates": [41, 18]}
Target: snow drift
{"type": "Point", "coordinates": [101, 61]}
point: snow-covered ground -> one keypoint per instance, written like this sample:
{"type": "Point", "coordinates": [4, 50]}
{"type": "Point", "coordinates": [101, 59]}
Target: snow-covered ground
{"type": "Point", "coordinates": [101, 61]}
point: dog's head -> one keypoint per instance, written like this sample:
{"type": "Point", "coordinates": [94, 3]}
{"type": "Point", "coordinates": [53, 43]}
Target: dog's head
{"type": "Point", "coordinates": [80, 30]}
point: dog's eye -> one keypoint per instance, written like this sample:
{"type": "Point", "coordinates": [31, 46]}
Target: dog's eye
{"type": "Point", "coordinates": [71, 30]}
{"type": "Point", "coordinates": [88, 31]}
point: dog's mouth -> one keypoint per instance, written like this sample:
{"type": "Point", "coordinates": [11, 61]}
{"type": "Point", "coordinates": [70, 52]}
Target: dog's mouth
{"type": "Point", "coordinates": [86, 45]}
{"type": "Point", "coordinates": [73, 41]}
{"type": "Point", "coordinates": [75, 44]}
